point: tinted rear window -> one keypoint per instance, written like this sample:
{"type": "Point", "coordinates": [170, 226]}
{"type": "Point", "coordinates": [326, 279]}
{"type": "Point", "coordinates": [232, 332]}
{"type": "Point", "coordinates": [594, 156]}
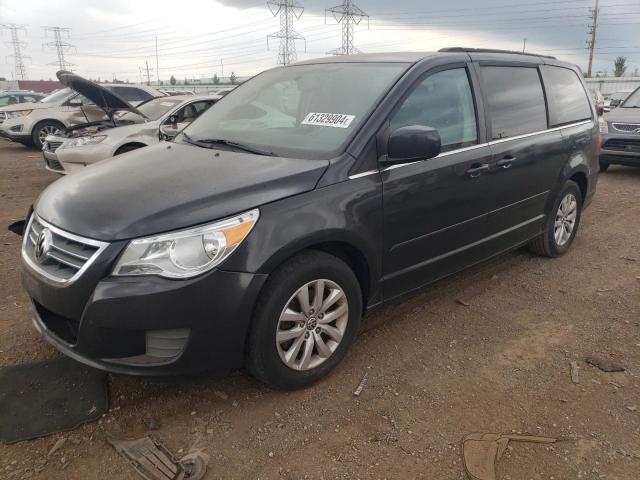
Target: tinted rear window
{"type": "Point", "coordinates": [131, 94]}
{"type": "Point", "coordinates": [516, 101]}
{"type": "Point", "coordinates": [568, 101]}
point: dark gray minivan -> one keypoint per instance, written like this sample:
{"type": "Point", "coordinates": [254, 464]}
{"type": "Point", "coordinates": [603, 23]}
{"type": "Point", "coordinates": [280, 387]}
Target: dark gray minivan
{"type": "Point", "coordinates": [308, 196]}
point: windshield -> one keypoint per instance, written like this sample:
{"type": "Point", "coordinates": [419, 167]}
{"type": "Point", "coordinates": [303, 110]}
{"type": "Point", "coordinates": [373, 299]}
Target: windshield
{"type": "Point", "coordinates": [633, 101]}
{"type": "Point", "coordinates": [57, 96]}
{"type": "Point", "coordinates": [308, 111]}
{"type": "Point", "coordinates": [153, 109]}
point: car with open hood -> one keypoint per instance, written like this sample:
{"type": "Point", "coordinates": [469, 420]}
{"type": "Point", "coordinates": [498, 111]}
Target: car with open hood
{"type": "Point", "coordinates": [81, 101]}
{"type": "Point", "coordinates": [132, 128]}
{"type": "Point", "coordinates": [314, 193]}
{"type": "Point", "coordinates": [621, 134]}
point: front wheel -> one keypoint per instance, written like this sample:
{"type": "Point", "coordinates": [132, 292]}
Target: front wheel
{"type": "Point", "coordinates": [305, 321]}
{"type": "Point", "coordinates": [44, 129]}
{"type": "Point", "coordinates": [562, 223]}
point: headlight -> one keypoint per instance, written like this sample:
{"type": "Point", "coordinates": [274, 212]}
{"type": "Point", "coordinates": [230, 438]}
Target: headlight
{"type": "Point", "coordinates": [18, 113]}
{"type": "Point", "coordinates": [82, 141]}
{"type": "Point", "coordinates": [186, 253]}
{"type": "Point", "coordinates": [604, 126]}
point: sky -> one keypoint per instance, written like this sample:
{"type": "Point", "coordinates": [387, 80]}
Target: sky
{"type": "Point", "coordinates": [200, 38]}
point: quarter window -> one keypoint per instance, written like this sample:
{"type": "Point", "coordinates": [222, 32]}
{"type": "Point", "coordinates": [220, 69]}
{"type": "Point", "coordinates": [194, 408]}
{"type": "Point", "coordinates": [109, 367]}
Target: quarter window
{"type": "Point", "coordinates": [568, 101]}
{"type": "Point", "coordinates": [515, 100]}
{"type": "Point", "coordinates": [442, 101]}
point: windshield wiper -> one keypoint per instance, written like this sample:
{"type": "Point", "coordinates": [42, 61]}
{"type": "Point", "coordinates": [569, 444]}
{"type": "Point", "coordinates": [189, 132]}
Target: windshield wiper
{"type": "Point", "coordinates": [227, 143]}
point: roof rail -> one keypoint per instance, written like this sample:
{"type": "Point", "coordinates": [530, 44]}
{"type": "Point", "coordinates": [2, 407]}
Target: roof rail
{"type": "Point", "coordinates": [491, 50]}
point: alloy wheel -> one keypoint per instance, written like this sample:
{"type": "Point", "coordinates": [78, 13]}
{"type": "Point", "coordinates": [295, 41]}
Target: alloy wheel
{"type": "Point", "coordinates": [565, 219]}
{"type": "Point", "coordinates": [312, 324]}
{"type": "Point", "coordinates": [46, 131]}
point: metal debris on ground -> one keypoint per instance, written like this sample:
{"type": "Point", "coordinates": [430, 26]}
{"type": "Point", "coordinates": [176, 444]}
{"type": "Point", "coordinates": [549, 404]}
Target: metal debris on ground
{"type": "Point", "coordinates": [195, 465]}
{"type": "Point", "coordinates": [481, 451]}
{"type": "Point", "coordinates": [604, 364]}
{"type": "Point", "coordinates": [575, 372]}
{"type": "Point", "coordinates": [361, 385]}
{"type": "Point", "coordinates": [149, 457]}
{"type": "Point", "coordinates": [463, 303]}
{"type": "Point", "coordinates": [57, 446]}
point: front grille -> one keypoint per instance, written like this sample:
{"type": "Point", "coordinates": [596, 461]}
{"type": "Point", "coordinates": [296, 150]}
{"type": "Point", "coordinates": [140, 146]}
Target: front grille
{"type": "Point", "coordinates": [627, 127]}
{"type": "Point", "coordinates": [54, 164]}
{"type": "Point", "coordinates": [631, 145]}
{"type": "Point", "coordinates": [62, 256]}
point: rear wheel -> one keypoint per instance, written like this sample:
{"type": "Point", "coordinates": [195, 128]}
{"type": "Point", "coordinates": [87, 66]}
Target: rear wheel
{"type": "Point", "coordinates": [562, 223]}
{"type": "Point", "coordinates": [43, 129]}
{"type": "Point", "coordinates": [305, 321]}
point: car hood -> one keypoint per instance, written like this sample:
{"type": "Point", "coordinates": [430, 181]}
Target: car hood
{"type": "Point", "coordinates": [102, 97]}
{"type": "Point", "coordinates": [28, 106]}
{"type": "Point", "coordinates": [169, 186]}
{"type": "Point", "coordinates": [621, 114]}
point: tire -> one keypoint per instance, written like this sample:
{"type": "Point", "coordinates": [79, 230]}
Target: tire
{"type": "Point", "coordinates": [44, 128]}
{"type": "Point", "coordinates": [604, 166]}
{"type": "Point", "coordinates": [127, 148]}
{"type": "Point", "coordinates": [266, 358]}
{"type": "Point", "coordinates": [548, 244]}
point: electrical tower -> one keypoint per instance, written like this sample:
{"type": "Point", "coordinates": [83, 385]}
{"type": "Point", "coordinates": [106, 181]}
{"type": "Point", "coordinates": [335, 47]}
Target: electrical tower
{"type": "Point", "coordinates": [59, 44]}
{"type": "Point", "coordinates": [289, 10]}
{"type": "Point", "coordinates": [350, 15]}
{"type": "Point", "coordinates": [18, 59]}
{"type": "Point", "coordinates": [591, 42]}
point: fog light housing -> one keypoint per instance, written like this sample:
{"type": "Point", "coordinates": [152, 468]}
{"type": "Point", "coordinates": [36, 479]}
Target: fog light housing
{"type": "Point", "coordinates": [162, 347]}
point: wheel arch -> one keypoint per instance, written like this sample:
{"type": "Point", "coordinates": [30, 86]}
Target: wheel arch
{"type": "Point", "coordinates": [126, 145]}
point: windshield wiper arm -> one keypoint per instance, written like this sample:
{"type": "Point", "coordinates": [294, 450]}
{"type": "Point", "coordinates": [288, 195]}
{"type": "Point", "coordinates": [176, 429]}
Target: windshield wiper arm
{"type": "Point", "coordinates": [229, 143]}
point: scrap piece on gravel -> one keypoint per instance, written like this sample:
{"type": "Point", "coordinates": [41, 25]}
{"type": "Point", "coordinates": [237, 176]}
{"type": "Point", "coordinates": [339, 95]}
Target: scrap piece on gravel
{"type": "Point", "coordinates": [604, 364]}
{"type": "Point", "coordinates": [38, 399]}
{"type": "Point", "coordinates": [481, 451]}
{"type": "Point", "coordinates": [575, 372]}
{"type": "Point", "coordinates": [361, 385]}
{"type": "Point", "coordinates": [149, 457]}
{"type": "Point", "coordinates": [17, 227]}
{"type": "Point", "coordinates": [195, 465]}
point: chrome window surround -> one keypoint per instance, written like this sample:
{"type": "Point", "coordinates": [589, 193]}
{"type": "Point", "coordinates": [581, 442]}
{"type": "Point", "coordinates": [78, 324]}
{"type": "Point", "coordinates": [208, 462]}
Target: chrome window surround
{"type": "Point", "coordinates": [60, 282]}
{"type": "Point", "coordinates": [473, 147]}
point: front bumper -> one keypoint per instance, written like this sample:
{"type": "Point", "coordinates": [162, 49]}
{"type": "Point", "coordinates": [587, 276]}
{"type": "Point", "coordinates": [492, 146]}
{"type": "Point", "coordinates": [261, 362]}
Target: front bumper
{"type": "Point", "coordinates": [623, 149]}
{"type": "Point", "coordinates": [120, 324]}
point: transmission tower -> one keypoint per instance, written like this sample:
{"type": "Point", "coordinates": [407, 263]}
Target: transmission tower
{"type": "Point", "coordinates": [591, 42]}
{"type": "Point", "coordinates": [59, 44]}
{"type": "Point", "coordinates": [289, 10]}
{"type": "Point", "coordinates": [349, 15]}
{"type": "Point", "coordinates": [18, 59]}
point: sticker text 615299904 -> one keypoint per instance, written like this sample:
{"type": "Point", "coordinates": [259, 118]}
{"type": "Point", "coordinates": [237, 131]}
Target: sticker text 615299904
{"type": "Point", "coordinates": [337, 120]}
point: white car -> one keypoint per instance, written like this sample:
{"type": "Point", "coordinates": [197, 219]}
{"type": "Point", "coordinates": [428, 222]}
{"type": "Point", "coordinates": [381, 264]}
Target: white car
{"type": "Point", "coordinates": [159, 118]}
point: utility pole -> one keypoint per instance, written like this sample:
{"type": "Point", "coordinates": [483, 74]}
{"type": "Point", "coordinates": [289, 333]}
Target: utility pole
{"type": "Point", "coordinates": [524, 44]}
{"type": "Point", "coordinates": [148, 77]}
{"type": "Point", "coordinates": [60, 45]}
{"type": "Point", "coordinates": [157, 69]}
{"type": "Point", "coordinates": [289, 10]}
{"type": "Point", "coordinates": [18, 58]}
{"type": "Point", "coordinates": [591, 42]}
{"type": "Point", "coordinates": [222, 68]}
{"type": "Point", "coordinates": [350, 15]}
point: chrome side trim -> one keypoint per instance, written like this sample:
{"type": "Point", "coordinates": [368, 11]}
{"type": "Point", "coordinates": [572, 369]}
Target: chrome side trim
{"type": "Point", "coordinates": [53, 280]}
{"type": "Point", "coordinates": [363, 174]}
{"type": "Point", "coordinates": [493, 142]}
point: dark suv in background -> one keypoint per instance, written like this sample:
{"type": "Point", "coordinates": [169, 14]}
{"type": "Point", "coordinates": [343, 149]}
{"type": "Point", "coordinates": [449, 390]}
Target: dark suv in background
{"type": "Point", "coordinates": [309, 196]}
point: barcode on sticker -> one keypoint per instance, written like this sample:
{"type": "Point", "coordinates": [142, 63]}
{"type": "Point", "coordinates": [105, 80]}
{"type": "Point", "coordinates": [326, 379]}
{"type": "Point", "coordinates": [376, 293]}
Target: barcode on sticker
{"type": "Point", "coordinates": [328, 120]}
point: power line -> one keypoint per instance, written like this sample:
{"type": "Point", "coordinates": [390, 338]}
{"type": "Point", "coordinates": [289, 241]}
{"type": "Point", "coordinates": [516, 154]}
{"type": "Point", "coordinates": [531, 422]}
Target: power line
{"type": "Point", "coordinates": [289, 10]}
{"type": "Point", "coordinates": [591, 43]}
{"type": "Point", "coordinates": [18, 58]}
{"type": "Point", "coordinates": [349, 15]}
{"type": "Point", "coordinates": [60, 45]}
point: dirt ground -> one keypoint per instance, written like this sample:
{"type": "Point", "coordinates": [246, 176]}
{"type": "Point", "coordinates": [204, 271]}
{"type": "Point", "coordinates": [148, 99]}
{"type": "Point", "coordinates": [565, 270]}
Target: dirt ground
{"type": "Point", "coordinates": [488, 350]}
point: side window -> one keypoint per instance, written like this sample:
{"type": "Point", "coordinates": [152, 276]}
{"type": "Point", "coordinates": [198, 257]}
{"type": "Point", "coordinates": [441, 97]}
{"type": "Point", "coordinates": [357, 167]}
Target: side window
{"type": "Point", "coordinates": [568, 101]}
{"type": "Point", "coordinates": [28, 98]}
{"type": "Point", "coordinates": [443, 101]}
{"type": "Point", "coordinates": [132, 94]}
{"type": "Point", "coordinates": [201, 107]}
{"type": "Point", "coordinates": [515, 100]}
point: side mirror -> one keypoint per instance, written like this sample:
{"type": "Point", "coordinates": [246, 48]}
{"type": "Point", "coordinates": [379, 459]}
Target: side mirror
{"type": "Point", "coordinates": [75, 102]}
{"type": "Point", "coordinates": [168, 132]}
{"type": "Point", "coordinates": [413, 143]}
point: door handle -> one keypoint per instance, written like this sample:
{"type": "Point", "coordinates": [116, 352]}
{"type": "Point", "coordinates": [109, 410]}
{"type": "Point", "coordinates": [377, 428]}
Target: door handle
{"type": "Point", "coordinates": [506, 162]}
{"type": "Point", "coordinates": [477, 169]}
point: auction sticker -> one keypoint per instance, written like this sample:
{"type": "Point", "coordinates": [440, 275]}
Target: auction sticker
{"type": "Point", "coordinates": [337, 120]}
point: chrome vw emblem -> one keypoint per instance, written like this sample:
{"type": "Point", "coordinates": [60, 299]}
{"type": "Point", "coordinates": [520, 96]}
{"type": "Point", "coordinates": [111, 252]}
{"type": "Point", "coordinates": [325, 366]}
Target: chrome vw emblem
{"type": "Point", "coordinates": [43, 245]}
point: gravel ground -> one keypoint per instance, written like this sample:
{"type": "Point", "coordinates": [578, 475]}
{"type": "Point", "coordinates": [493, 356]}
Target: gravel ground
{"type": "Point", "coordinates": [488, 350]}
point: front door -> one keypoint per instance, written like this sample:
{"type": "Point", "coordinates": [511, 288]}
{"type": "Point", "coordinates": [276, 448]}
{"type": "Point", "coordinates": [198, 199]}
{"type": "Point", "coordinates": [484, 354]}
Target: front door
{"type": "Point", "coordinates": [435, 211]}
